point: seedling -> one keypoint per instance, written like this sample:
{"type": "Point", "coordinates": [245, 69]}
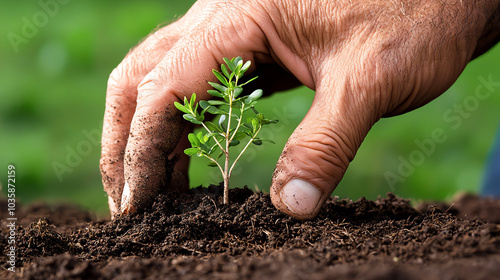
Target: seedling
{"type": "Point", "coordinates": [228, 129]}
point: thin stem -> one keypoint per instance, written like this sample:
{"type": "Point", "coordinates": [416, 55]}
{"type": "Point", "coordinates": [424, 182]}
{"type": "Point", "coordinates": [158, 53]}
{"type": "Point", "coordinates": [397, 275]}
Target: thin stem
{"type": "Point", "coordinates": [239, 122]}
{"type": "Point", "coordinates": [216, 141]}
{"type": "Point", "coordinates": [228, 141]}
{"type": "Point", "coordinates": [212, 159]}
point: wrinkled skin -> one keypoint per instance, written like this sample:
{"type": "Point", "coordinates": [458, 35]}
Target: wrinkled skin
{"type": "Point", "coordinates": [365, 59]}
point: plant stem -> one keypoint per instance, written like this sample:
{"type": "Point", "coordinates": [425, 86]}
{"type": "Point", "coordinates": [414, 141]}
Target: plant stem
{"type": "Point", "coordinates": [216, 141]}
{"type": "Point", "coordinates": [239, 122]}
{"type": "Point", "coordinates": [228, 141]}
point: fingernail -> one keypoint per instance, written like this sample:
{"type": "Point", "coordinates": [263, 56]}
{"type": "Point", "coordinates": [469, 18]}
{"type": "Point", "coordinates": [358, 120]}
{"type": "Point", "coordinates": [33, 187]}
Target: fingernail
{"type": "Point", "coordinates": [301, 197]}
{"type": "Point", "coordinates": [125, 199]}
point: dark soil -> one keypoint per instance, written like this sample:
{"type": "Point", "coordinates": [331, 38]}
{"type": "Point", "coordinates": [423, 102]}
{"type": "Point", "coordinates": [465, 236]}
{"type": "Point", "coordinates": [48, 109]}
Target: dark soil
{"type": "Point", "coordinates": [195, 236]}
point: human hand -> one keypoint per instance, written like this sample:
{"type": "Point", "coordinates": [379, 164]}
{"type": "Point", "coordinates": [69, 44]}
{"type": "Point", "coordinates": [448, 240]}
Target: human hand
{"type": "Point", "coordinates": [365, 60]}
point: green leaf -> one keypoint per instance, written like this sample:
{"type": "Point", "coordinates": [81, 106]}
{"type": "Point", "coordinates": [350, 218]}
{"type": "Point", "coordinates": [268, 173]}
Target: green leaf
{"type": "Point", "coordinates": [191, 118]}
{"type": "Point", "coordinates": [193, 100]}
{"type": "Point", "coordinates": [239, 64]}
{"type": "Point", "coordinates": [213, 110]}
{"type": "Point", "coordinates": [191, 151]}
{"type": "Point", "coordinates": [222, 119]}
{"type": "Point", "coordinates": [216, 102]}
{"type": "Point", "coordinates": [215, 93]}
{"type": "Point", "coordinates": [249, 105]}
{"type": "Point", "coordinates": [260, 117]}
{"type": "Point", "coordinates": [212, 127]}
{"type": "Point", "coordinates": [234, 143]}
{"type": "Point", "coordinates": [224, 71]}
{"type": "Point", "coordinates": [255, 124]}
{"type": "Point", "coordinates": [212, 149]}
{"type": "Point", "coordinates": [218, 87]}
{"type": "Point", "coordinates": [245, 83]}
{"type": "Point", "coordinates": [220, 77]}
{"type": "Point", "coordinates": [239, 135]}
{"type": "Point", "coordinates": [237, 91]}
{"type": "Point", "coordinates": [206, 137]}
{"type": "Point", "coordinates": [245, 66]}
{"type": "Point", "coordinates": [257, 142]}
{"type": "Point", "coordinates": [195, 142]}
{"type": "Point", "coordinates": [256, 94]}
{"type": "Point", "coordinates": [221, 153]}
{"type": "Point", "coordinates": [212, 164]}
{"type": "Point", "coordinates": [200, 137]}
{"type": "Point", "coordinates": [181, 107]}
{"type": "Point", "coordinates": [204, 104]}
{"type": "Point", "coordinates": [186, 104]}
{"type": "Point", "coordinates": [267, 121]}
{"type": "Point", "coordinates": [237, 60]}
{"type": "Point", "coordinates": [200, 118]}
{"type": "Point", "coordinates": [229, 63]}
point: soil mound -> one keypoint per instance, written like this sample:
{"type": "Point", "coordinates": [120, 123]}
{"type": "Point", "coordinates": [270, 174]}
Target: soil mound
{"type": "Point", "coordinates": [195, 236]}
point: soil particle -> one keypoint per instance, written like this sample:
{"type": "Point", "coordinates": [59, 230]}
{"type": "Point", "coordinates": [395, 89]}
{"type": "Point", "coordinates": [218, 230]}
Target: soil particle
{"type": "Point", "coordinates": [195, 236]}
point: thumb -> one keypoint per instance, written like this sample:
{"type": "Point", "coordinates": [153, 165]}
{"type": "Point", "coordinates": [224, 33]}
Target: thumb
{"type": "Point", "coordinates": [318, 152]}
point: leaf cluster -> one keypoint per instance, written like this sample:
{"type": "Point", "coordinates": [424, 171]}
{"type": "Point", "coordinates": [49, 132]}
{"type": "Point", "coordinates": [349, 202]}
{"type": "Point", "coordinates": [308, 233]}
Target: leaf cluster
{"type": "Point", "coordinates": [230, 128]}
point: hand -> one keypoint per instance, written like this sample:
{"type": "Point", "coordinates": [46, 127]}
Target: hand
{"type": "Point", "coordinates": [365, 60]}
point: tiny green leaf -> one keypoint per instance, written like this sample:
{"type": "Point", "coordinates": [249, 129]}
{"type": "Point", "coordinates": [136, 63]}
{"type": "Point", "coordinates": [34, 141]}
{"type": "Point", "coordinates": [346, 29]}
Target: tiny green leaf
{"type": "Point", "coordinates": [213, 110]}
{"type": "Point", "coordinates": [200, 137]}
{"type": "Point", "coordinates": [237, 91]}
{"type": "Point", "coordinates": [222, 119]}
{"type": "Point", "coordinates": [215, 93]}
{"type": "Point", "coordinates": [220, 77]}
{"type": "Point", "coordinates": [245, 66]}
{"type": "Point", "coordinates": [256, 94]}
{"type": "Point", "coordinates": [219, 155]}
{"type": "Point", "coordinates": [267, 121]}
{"type": "Point", "coordinates": [257, 142]}
{"type": "Point", "coordinates": [181, 107]}
{"type": "Point", "coordinates": [204, 104]}
{"type": "Point", "coordinates": [191, 118]}
{"type": "Point", "coordinates": [245, 83]}
{"type": "Point", "coordinates": [193, 100]}
{"type": "Point", "coordinates": [234, 143]}
{"type": "Point", "coordinates": [255, 123]}
{"type": "Point", "coordinates": [191, 151]}
{"type": "Point", "coordinates": [212, 126]}
{"type": "Point", "coordinates": [218, 87]}
{"type": "Point", "coordinates": [216, 102]}
{"type": "Point", "coordinates": [239, 64]}
{"type": "Point", "coordinates": [237, 60]}
{"type": "Point", "coordinates": [239, 135]}
{"type": "Point", "coordinates": [229, 63]}
{"type": "Point", "coordinates": [195, 142]}
{"type": "Point", "coordinates": [224, 71]}
{"type": "Point", "coordinates": [206, 137]}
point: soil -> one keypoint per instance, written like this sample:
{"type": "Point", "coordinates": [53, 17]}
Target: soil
{"type": "Point", "coordinates": [195, 236]}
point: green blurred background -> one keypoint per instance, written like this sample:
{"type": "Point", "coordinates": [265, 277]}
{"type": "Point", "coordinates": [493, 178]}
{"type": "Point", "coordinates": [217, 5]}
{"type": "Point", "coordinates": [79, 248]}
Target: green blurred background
{"type": "Point", "coordinates": [52, 102]}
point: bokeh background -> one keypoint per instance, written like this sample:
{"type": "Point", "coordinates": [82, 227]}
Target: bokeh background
{"type": "Point", "coordinates": [52, 89]}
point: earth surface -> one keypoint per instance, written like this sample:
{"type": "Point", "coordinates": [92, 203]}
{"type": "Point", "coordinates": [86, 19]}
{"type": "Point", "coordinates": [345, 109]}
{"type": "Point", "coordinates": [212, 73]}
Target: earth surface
{"type": "Point", "coordinates": [195, 236]}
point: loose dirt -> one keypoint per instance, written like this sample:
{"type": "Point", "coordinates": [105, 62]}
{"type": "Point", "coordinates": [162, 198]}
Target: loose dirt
{"type": "Point", "coordinates": [195, 236]}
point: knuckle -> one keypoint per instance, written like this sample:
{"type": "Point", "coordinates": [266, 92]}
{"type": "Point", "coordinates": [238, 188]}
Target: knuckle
{"type": "Point", "coordinates": [126, 75]}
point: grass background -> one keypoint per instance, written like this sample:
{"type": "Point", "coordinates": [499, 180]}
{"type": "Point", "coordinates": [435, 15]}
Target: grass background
{"type": "Point", "coordinates": [53, 90]}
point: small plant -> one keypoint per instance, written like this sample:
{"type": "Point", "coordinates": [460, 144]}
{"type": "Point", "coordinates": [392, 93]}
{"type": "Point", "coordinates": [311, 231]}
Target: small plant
{"type": "Point", "coordinates": [229, 129]}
